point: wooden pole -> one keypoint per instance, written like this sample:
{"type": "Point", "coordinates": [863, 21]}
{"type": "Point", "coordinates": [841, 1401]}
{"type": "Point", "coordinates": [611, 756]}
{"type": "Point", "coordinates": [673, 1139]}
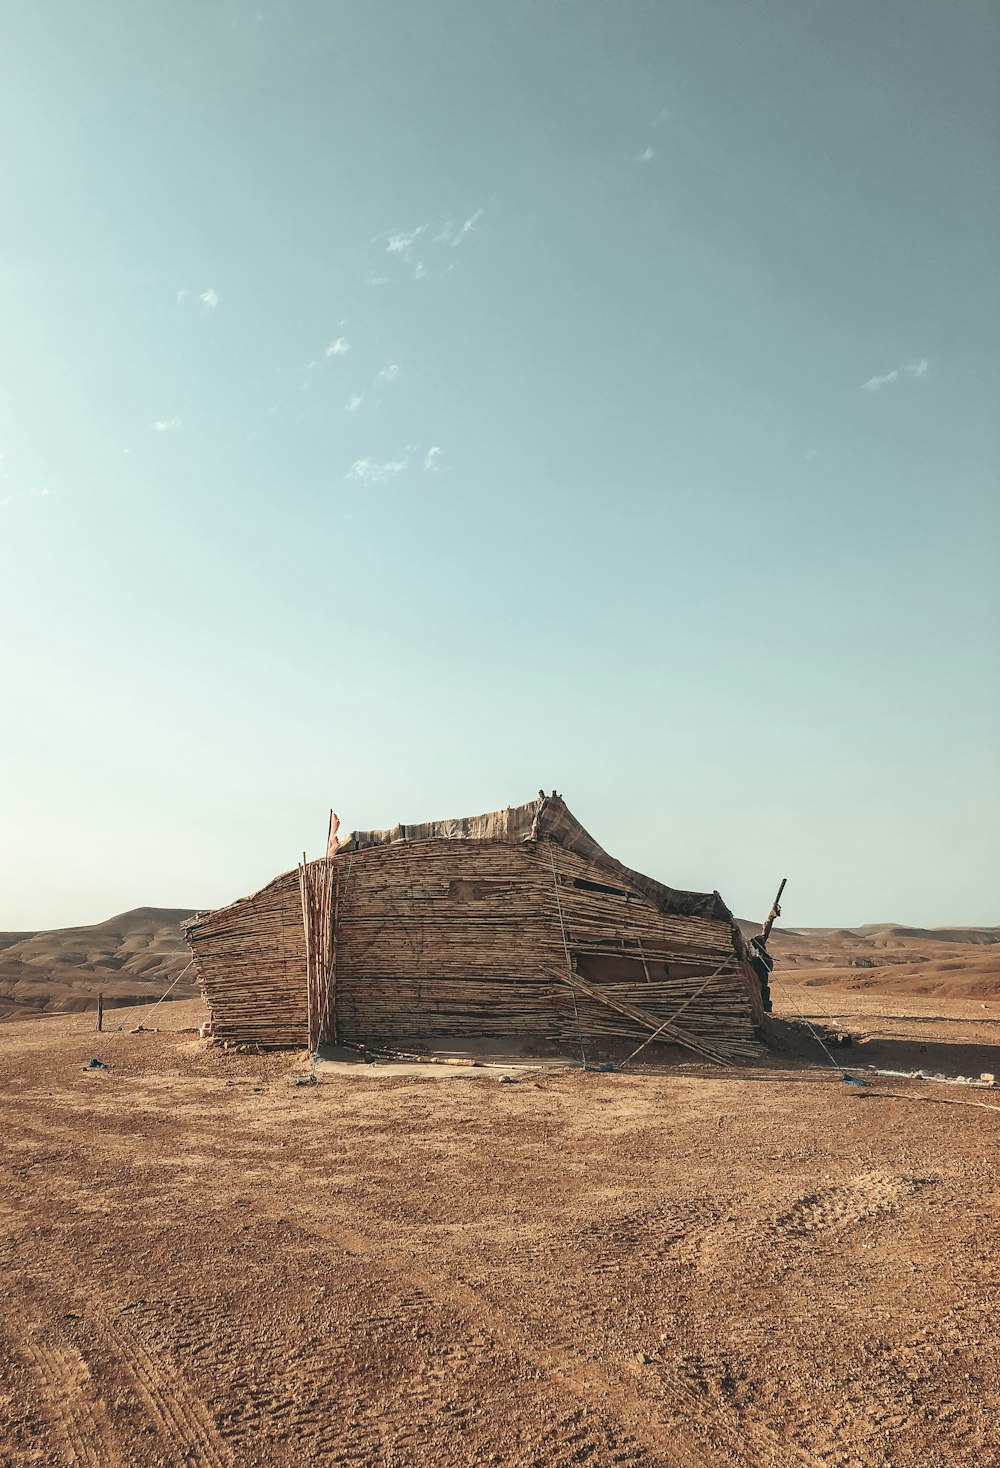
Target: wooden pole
{"type": "Point", "coordinates": [100, 1013]}
{"type": "Point", "coordinates": [775, 912]}
{"type": "Point", "coordinates": [656, 1033]}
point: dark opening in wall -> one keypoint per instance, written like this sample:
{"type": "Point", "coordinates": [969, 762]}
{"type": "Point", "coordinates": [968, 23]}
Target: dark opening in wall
{"type": "Point", "coordinates": [586, 886]}
{"type": "Point", "coordinates": [609, 968]}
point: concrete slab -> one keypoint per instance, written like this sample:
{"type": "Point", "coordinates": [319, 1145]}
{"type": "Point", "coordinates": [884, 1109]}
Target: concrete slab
{"type": "Point", "coordinates": [481, 1058]}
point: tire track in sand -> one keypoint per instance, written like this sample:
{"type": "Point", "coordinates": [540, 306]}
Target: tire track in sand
{"type": "Point", "coordinates": [671, 1443]}
{"type": "Point", "coordinates": [169, 1400]}
{"type": "Point", "coordinates": [69, 1397]}
{"type": "Point", "coordinates": [832, 1210]}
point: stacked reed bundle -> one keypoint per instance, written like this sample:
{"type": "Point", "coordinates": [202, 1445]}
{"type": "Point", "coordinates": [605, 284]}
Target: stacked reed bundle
{"type": "Point", "coordinates": [250, 961]}
{"type": "Point", "coordinates": [461, 937]}
{"type": "Point", "coordinates": [443, 937]}
{"type": "Point", "coordinates": [692, 966]}
{"type": "Point", "coordinates": [689, 1017]}
{"type": "Point", "coordinates": [464, 938]}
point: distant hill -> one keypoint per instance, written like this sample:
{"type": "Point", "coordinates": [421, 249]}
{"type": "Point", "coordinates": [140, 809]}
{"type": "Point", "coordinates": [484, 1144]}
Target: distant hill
{"type": "Point", "coordinates": [891, 958]}
{"type": "Point", "coordinates": [133, 957]}
{"type": "Point", "coordinates": [129, 958]}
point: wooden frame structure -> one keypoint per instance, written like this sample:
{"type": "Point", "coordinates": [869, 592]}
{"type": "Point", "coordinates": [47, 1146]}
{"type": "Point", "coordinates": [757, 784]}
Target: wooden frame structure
{"type": "Point", "coordinates": [512, 924]}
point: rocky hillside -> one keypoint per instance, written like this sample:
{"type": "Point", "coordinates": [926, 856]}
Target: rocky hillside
{"type": "Point", "coordinates": [892, 959]}
{"type": "Point", "coordinates": [130, 958]}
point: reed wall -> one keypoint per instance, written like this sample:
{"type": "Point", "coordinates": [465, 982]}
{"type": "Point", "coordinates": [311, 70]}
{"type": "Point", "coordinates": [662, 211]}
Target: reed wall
{"type": "Point", "coordinates": [459, 938]}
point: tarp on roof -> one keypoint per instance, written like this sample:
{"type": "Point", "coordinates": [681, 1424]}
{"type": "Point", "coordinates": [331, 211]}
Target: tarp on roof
{"type": "Point", "coordinates": [546, 819]}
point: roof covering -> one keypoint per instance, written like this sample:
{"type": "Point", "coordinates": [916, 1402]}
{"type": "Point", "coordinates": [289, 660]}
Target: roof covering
{"type": "Point", "coordinates": [546, 819]}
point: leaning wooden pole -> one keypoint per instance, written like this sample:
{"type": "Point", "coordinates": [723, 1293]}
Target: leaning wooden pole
{"type": "Point", "coordinates": [775, 912]}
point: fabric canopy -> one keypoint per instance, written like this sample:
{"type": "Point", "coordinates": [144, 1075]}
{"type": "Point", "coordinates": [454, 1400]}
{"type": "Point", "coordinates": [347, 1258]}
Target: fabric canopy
{"type": "Point", "coordinates": [546, 819]}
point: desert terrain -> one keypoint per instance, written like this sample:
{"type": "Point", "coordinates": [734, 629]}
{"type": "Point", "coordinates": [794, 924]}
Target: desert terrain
{"type": "Point", "coordinates": [130, 959]}
{"type": "Point", "coordinates": [204, 1263]}
{"type": "Point", "coordinates": [133, 957]}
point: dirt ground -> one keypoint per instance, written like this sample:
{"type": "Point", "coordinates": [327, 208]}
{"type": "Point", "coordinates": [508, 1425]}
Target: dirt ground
{"type": "Point", "coordinates": [203, 1264]}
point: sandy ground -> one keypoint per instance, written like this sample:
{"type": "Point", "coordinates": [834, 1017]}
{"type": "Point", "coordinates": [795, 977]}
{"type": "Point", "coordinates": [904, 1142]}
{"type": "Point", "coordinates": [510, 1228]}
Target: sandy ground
{"type": "Point", "coordinates": [908, 1032]}
{"type": "Point", "coordinates": [205, 1264]}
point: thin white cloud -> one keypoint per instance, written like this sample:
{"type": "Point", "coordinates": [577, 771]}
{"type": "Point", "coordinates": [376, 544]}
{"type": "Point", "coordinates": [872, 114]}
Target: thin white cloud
{"type": "Point", "coordinates": [880, 380]}
{"type": "Point", "coordinates": [646, 156]}
{"type": "Point", "coordinates": [338, 348]}
{"type": "Point", "coordinates": [468, 227]}
{"type": "Point", "coordinates": [810, 455]}
{"type": "Point", "coordinates": [209, 298]}
{"type": "Point", "coordinates": [377, 279]}
{"type": "Point", "coordinates": [402, 241]}
{"type": "Point", "coordinates": [432, 456]}
{"type": "Point", "coordinates": [919, 368]}
{"type": "Point", "coordinates": [370, 471]}
{"type": "Point", "coordinates": [164, 425]}
{"type": "Point", "coordinates": [387, 374]}
{"type": "Point", "coordinates": [354, 402]}
{"type": "Point", "coordinates": [41, 492]}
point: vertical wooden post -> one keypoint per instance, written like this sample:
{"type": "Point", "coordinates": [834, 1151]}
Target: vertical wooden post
{"type": "Point", "coordinates": [100, 1013]}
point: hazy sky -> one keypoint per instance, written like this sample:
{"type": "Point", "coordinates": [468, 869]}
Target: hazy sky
{"type": "Point", "coordinates": [407, 406]}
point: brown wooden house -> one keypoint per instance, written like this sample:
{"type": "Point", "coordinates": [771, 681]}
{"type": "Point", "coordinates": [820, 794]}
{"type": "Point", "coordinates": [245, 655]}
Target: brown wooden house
{"type": "Point", "coordinates": [512, 924]}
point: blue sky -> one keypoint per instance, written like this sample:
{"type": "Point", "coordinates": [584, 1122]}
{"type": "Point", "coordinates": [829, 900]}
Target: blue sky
{"type": "Point", "coordinates": [404, 407]}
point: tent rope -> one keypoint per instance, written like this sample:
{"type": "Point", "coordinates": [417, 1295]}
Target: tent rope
{"type": "Point", "coordinates": [119, 1029]}
{"type": "Point", "coordinates": [167, 991]}
{"type": "Point", "coordinates": [845, 1074]}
